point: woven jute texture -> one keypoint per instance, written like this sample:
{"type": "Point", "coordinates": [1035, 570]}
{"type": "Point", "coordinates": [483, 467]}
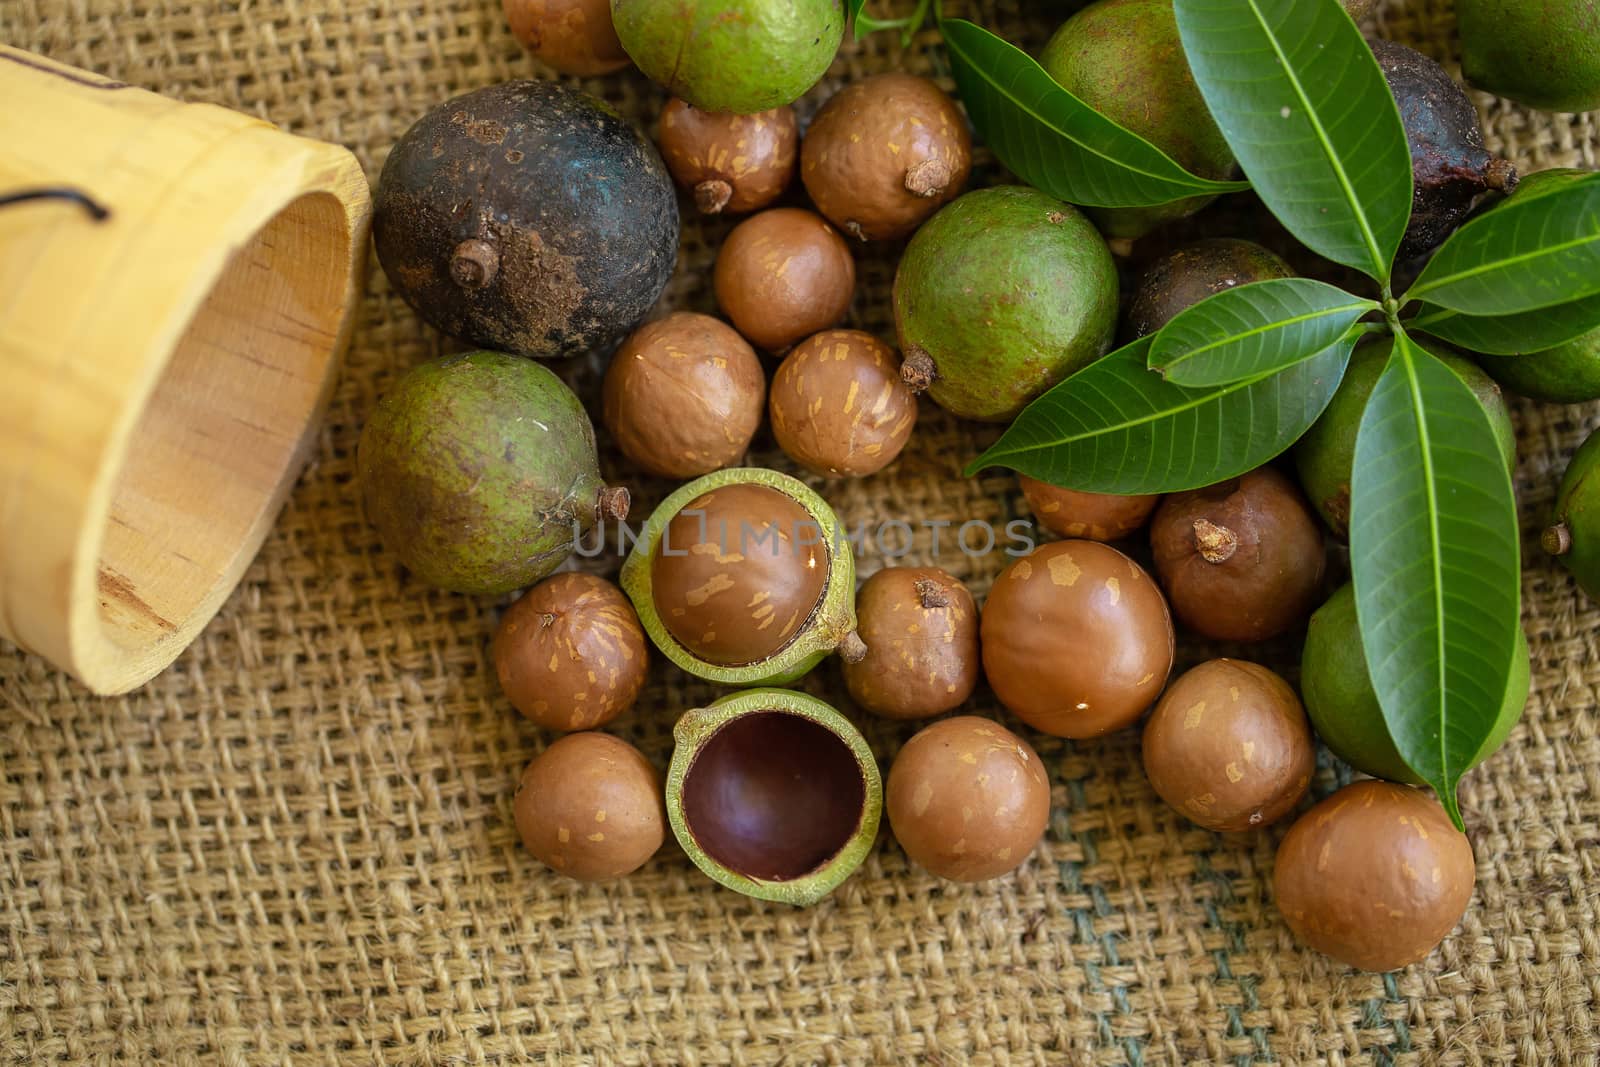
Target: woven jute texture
{"type": "Point", "coordinates": [296, 846]}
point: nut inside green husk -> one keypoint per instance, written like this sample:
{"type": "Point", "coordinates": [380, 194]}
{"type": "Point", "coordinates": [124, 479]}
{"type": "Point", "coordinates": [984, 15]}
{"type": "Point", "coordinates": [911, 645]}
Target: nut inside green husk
{"type": "Point", "coordinates": [774, 794]}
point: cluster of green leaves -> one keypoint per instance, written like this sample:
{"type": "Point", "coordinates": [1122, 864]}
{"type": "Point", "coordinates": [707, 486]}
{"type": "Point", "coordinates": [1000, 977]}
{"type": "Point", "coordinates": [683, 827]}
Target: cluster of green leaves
{"type": "Point", "coordinates": [1235, 380]}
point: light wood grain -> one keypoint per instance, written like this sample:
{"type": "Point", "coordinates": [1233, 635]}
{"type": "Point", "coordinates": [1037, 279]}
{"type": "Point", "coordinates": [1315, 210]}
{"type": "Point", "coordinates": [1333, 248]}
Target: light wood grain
{"type": "Point", "coordinates": [162, 372]}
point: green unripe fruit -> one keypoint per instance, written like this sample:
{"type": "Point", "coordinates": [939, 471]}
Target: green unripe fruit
{"type": "Point", "coordinates": [1124, 59]}
{"type": "Point", "coordinates": [1571, 538]}
{"type": "Point", "coordinates": [740, 56]}
{"type": "Point", "coordinates": [1326, 454]}
{"type": "Point", "coordinates": [1344, 707]}
{"type": "Point", "coordinates": [479, 472]}
{"type": "Point", "coordinates": [1541, 53]}
{"type": "Point", "coordinates": [999, 296]}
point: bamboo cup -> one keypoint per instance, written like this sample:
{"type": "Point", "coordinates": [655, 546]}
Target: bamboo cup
{"type": "Point", "coordinates": [163, 371]}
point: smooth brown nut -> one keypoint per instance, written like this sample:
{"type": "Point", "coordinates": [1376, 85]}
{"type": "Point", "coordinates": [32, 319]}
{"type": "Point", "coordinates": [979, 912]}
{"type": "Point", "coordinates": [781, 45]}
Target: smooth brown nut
{"type": "Point", "coordinates": [920, 628]}
{"type": "Point", "coordinates": [838, 404]}
{"type": "Point", "coordinates": [1374, 876]}
{"type": "Point", "coordinates": [782, 275]}
{"type": "Point", "coordinates": [573, 36]}
{"type": "Point", "coordinates": [1076, 639]}
{"type": "Point", "coordinates": [570, 653]}
{"type": "Point", "coordinates": [683, 396]}
{"type": "Point", "coordinates": [1096, 516]}
{"type": "Point", "coordinates": [884, 153]}
{"type": "Point", "coordinates": [967, 799]}
{"type": "Point", "coordinates": [1185, 276]}
{"type": "Point", "coordinates": [1229, 746]}
{"type": "Point", "coordinates": [738, 573]}
{"type": "Point", "coordinates": [591, 807]}
{"type": "Point", "coordinates": [729, 163]}
{"type": "Point", "coordinates": [1241, 560]}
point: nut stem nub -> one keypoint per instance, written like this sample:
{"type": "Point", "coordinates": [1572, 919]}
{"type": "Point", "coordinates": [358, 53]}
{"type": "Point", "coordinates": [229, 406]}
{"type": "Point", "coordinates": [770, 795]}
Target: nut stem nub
{"type": "Point", "coordinates": [929, 178]}
{"type": "Point", "coordinates": [1556, 539]}
{"type": "Point", "coordinates": [474, 263]}
{"type": "Point", "coordinates": [1216, 544]}
{"type": "Point", "coordinates": [931, 595]}
{"type": "Point", "coordinates": [852, 649]}
{"type": "Point", "coordinates": [918, 370]}
{"type": "Point", "coordinates": [712, 195]}
{"type": "Point", "coordinates": [1500, 175]}
{"type": "Point", "coordinates": [612, 504]}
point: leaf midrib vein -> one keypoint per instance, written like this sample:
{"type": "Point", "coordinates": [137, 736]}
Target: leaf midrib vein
{"type": "Point", "coordinates": [1280, 324]}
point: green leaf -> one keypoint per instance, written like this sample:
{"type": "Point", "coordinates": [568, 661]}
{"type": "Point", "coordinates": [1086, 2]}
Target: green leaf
{"type": "Point", "coordinates": [1511, 335]}
{"type": "Point", "coordinates": [1116, 427]}
{"type": "Point", "coordinates": [1529, 253]}
{"type": "Point", "coordinates": [864, 23]}
{"type": "Point", "coordinates": [1433, 544]}
{"type": "Point", "coordinates": [1300, 98]}
{"type": "Point", "coordinates": [1253, 330]}
{"type": "Point", "coordinates": [1053, 140]}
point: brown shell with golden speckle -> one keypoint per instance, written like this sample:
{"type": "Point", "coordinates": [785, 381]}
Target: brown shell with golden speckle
{"type": "Point", "coordinates": [839, 406]}
{"type": "Point", "coordinates": [729, 163]}
{"type": "Point", "coordinates": [683, 395]}
{"type": "Point", "coordinates": [573, 36]}
{"type": "Point", "coordinates": [1096, 516]}
{"type": "Point", "coordinates": [570, 654]}
{"type": "Point", "coordinates": [591, 807]}
{"type": "Point", "coordinates": [1076, 639]}
{"type": "Point", "coordinates": [1374, 876]}
{"type": "Point", "coordinates": [1229, 746]}
{"type": "Point", "coordinates": [782, 275]}
{"type": "Point", "coordinates": [920, 627]}
{"type": "Point", "coordinates": [967, 799]}
{"type": "Point", "coordinates": [884, 153]}
{"type": "Point", "coordinates": [738, 573]}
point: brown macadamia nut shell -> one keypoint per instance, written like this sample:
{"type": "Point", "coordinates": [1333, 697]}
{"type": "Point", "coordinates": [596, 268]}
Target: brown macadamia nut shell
{"type": "Point", "coordinates": [1076, 639]}
{"type": "Point", "coordinates": [967, 799]}
{"type": "Point", "coordinates": [1229, 746]}
{"type": "Point", "coordinates": [1095, 516]}
{"type": "Point", "coordinates": [782, 275]}
{"type": "Point", "coordinates": [591, 807]}
{"type": "Point", "coordinates": [573, 36]}
{"type": "Point", "coordinates": [839, 406]}
{"type": "Point", "coordinates": [729, 163]}
{"type": "Point", "coordinates": [885, 153]}
{"type": "Point", "coordinates": [1374, 876]}
{"type": "Point", "coordinates": [920, 628]}
{"type": "Point", "coordinates": [570, 654]}
{"type": "Point", "coordinates": [1242, 560]}
{"type": "Point", "coordinates": [683, 396]}
{"type": "Point", "coordinates": [734, 580]}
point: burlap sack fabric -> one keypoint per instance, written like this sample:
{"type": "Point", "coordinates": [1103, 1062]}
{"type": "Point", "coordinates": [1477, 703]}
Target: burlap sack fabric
{"type": "Point", "coordinates": [296, 846]}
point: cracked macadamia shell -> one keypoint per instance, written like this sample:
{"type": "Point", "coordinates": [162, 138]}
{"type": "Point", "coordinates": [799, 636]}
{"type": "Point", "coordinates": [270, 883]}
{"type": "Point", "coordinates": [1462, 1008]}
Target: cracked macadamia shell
{"type": "Point", "coordinates": [1228, 745]}
{"type": "Point", "coordinates": [1076, 639]}
{"type": "Point", "coordinates": [838, 405]}
{"type": "Point", "coordinates": [782, 275]}
{"type": "Point", "coordinates": [1374, 876]}
{"type": "Point", "coordinates": [1095, 516]}
{"type": "Point", "coordinates": [590, 806]}
{"type": "Point", "coordinates": [573, 36]}
{"type": "Point", "coordinates": [1241, 560]}
{"type": "Point", "coordinates": [683, 395]}
{"type": "Point", "coordinates": [967, 799]}
{"type": "Point", "coordinates": [884, 153]}
{"type": "Point", "coordinates": [920, 628]}
{"type": "Point", "coordinates": [570, 654]}
{"type": "Point", "coordinates": [739, 573]}
{"type": "Point", "coordinates": [730, 164]}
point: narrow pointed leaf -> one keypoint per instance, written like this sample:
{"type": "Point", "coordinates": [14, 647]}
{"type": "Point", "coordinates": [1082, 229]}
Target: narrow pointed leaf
{"type": "Point", "coordinates": [1053, 140]}
{"type": "Point", "coordinates": [1529, 253]}
{"type": "Point", "coordinates": [1117, 427]}
{"type": "Point", "coordinates": [1253, 330]}
{"type": "Point", "coordinates": [1300, 98]}
{"type": "Point", "coordinates": [1433, 544]}
{"type": "Point", "coordinates": [1511, 335]}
